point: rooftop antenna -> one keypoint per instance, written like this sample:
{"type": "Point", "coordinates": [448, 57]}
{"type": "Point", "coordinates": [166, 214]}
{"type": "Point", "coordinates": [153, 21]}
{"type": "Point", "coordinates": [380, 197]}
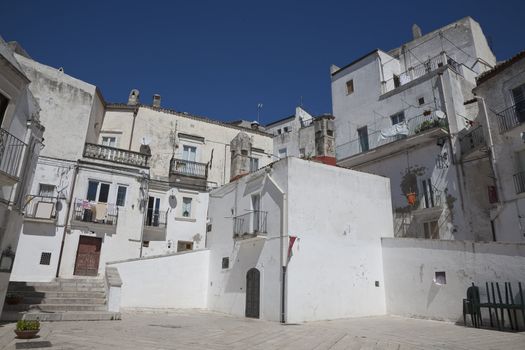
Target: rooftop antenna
{"type": "Point", "coordinates": [259, 107]}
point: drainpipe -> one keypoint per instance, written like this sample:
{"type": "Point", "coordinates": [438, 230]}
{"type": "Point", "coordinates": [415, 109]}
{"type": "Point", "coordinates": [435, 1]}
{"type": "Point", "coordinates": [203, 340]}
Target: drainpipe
{"type": "Point", "coordinates": [283, 235]}
{"type": "Point", "coordinates": [70, 201]}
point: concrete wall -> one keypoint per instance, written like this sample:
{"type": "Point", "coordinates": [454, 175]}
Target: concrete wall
{"type": "Point", "coordinates": [165, 282]}
{"type": "Point", "coordinates": [410, 265]}
{"type": "Point", "coordinates": [338, 216]}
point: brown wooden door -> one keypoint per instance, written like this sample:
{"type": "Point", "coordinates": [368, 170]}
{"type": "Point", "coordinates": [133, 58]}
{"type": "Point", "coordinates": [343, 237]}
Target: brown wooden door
{"type": "Point", "coordinates": [252, 293]}
{"type": "Point", "coordinates": [88, 256]}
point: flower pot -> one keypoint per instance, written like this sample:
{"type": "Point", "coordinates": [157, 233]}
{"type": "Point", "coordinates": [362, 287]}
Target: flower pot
{"type": "Point", "coordinates": [411, 198]}
{"type": "Point", "coordinates": [26, 334]}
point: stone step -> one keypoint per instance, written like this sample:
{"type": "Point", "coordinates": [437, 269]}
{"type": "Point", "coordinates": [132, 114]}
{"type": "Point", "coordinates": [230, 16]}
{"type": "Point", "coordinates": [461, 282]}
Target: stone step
{"type": "Point", "coordinates": [54, 294]}
{"type": "Point", "coordinates": [63, 300]}
{"type": "Point", "coordinates": [56, 288]}
{"type": "Point", "coordinates": [62, 316]}
{"type": "Point", "coordinates": [56, 307]}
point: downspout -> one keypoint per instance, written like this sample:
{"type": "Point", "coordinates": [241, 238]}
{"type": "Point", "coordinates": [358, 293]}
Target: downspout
{"type": "Point", "coordinates": [283, 235]}
{"type": "Point", "coordinates": [70, 201]}
{"type": "Point", "coordinates": [135, 112]}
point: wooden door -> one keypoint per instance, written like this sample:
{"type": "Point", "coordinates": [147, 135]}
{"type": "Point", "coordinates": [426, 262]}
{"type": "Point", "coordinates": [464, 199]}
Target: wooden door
{"type": "Point", "coordinates": [88, 256]}
{"type": "Point", "coordinates": [252, 293]}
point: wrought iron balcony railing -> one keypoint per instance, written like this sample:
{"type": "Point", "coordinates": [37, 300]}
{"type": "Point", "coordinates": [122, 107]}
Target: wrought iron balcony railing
{"type": "Point", "coordinates": [11, 151]}
{"type": "Point", "coordinates": [41, 207]}
{"type": "Point", "coordinates": [472, 141]}
{"type": "Point", "coordinates": [253, 222]}
{"type": "Point", "coordinates": [116, 155]}
{"type": "Point", "coordinates": [418, 71]}
{"type": "Point", "coordinates": [189, 168]}
{"type": "Point", "coordinates": [416, 125]}
{"type": "Point", "coordinates": [511, 117]}
{"type": "Point", "coordinates": [155, 219]}
{"type": "Point", "coordinates": [95, 212]}
{"type": "Point", "coordinates": [519, 182]}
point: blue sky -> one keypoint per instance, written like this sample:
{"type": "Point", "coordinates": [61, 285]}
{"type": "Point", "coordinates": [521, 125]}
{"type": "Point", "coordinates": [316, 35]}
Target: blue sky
{"type": "Point", "coordinates": [221, 58]}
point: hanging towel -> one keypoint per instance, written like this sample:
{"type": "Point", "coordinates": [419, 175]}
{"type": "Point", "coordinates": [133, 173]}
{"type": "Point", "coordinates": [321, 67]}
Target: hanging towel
{"type": "Point", "coordinates": [394, 130]}
{"type": "Point", "coordinates": [101, 211]}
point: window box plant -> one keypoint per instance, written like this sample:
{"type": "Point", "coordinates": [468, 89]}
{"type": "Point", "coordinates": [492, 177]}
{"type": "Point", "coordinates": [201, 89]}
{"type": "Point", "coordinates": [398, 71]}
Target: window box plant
{"type": "Point", "coordinates": [27, 329]}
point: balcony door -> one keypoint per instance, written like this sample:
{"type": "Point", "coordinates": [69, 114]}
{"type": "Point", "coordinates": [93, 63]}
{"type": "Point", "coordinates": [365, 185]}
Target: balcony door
{"type": "Point", "coordinates": [152, 217]}
{"type": "Point", "coordinates": [362, 134]}
{"type": "Point", "coordinates": [256, 217]}
{"type": "Point", "coordinates": [189, 153]}
{"type": "Point", "coordinates": [97, 191]}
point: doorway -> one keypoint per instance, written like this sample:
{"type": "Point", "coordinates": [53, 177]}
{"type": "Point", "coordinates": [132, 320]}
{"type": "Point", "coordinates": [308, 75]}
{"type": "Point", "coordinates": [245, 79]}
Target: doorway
{"type": "Point", "coordinates": [88, 256]}
{"type": "Point", "coordinates": [252, 293]}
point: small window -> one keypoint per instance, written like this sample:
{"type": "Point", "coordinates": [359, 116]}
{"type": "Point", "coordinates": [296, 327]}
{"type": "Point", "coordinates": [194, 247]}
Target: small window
{"type": "Point", "coordinates": [349, 86]}
{"type": "Point", "coordinates": [286, 129]}
{"type": "Point", "coordinates": [398, 118]}
{"type": "Point", "coordinates": [45, 258]}
{"type": "Point", "coordinates": [121, 195]}
{"type": "Point", "coordinates": [46, 190]}
{"type": "Point", "coordinates": [283, 153]}
{"type": "Point", "coordinates": [184, 246]}
{"type": "Point", "coordinates": [440, 278]}
{"type": "Point", "coordinates": [186, 207]}
{"type": "Point", "coordinates": [189, 153]}
{"type": "Point", "coordinates": [279, 131]}
{"type": "Point", "coordinates": [397, 81]}
{"type": "Point", "coordinates": [330, 132]}
{"type": "Point", "coordinates": [145, 244]}
{"type": "Point", "coordinates": [225, 263]}
{"type": "Point", "coordinates": [421, 101]}
{"type": "Point", "coordinates": [110, 141]}
{"type": "Point", "coordinates": [254, 164]}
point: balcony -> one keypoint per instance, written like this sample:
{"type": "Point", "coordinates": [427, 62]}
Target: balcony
{"type": "Point", "coordinates": [420, 129]}
{"type": "Point", "coordinates": [250, 224]}
{"type": "Point", "coordinates": [472, 142]}
{"type": "Point", "coordinates": [40, 208]}
{"type": "Point", "coordinates": [419, 71]}
{"type": "Point", "coordinates": [11, 151]}
{"type": "Point", "coordinates": [155, 225]}
{"type": "Point", "coordinates": [188, 174]}
{"type": "Point", "coordinates": [94, 216]}
{"type": "Point", "coordinates": [511, 117]}
{"type": "Point", "coordinates": [116, 155]}
{"type": "Point", "coordinates": [519, 182]}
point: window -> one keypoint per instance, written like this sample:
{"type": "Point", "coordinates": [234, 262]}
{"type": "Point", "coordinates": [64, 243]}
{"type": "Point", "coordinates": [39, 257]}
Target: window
{"type": "Point", "coordinates": [225, 263]}
{"type": "Point", "coordinates": [398, 118]}
{"type": "Point", "coordinates": [283, 153]}
{"type": "Point", "coordinates": [518, 94]}
{"type": "Point", "coordinates": [440, 278]}
{"type": "Point", "coordinates": [256, 208]}
{"type": "Point", "coordinates": [46, 190]}
{"type": "Point", "coordinates": [349, 86]}
{"type": "Point", "coordinates": [428, 194]}
{"type": "Point", "coordinates": [254, 164]}
{"type": "Point", "coordinates": [421, 101]}
{"type": "Point", "coordinates": [362, 134]}
{"type": "Point", "coordinates": [186, 207]}
{"type": "Point", "coordinates": [184, 246]}
{"type": "Point", "coordinates": [97, 191]}
{"type": "Point", "coordinates": [110, 141]}
{"type": "Point", "coordinates": [152, 216]}
{"type": "Point", "coordinates": [279, 131]}
{"type": "Point", "coordinates": [121, 195]}
{"type": "Point", "coordinates": [286, 129]}
{"type": "Point", "coordinates": [431, 229]}
{"type": "Point", "coordinates": [45, 258]}
{"type": "Point", "coordinates": [189, 153]}
{"type": "Point", "coordinates": [4, 102]}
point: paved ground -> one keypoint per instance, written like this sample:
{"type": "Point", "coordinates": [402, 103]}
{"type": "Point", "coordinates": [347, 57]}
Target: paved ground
{"type": "Point", "coordinates": [205, 330]}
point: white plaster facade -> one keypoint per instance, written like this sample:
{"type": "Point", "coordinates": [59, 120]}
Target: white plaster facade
{"type": "Point", "coordinates": [400, 114]}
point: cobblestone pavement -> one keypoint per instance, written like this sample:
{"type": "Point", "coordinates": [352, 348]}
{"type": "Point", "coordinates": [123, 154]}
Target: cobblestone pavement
{"type": "Point", "coordinates": [207, 330]}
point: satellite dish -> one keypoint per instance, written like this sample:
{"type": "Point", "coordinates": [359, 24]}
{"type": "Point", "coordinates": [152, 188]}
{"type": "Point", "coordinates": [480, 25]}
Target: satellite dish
{"type": "Point", "coordinates": [440, 114]}
{"type": "Point", "coordinates": [145, 140]}
{"type": "Point", "coordinates": [172, 201]}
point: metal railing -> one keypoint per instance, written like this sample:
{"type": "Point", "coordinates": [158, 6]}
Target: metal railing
{"type": "Point", "coordinates": [155, 218]}
{"type": "Point", "coordinates": [95, 212]}
{"type": "Point", "coordinates": [11, 151]}
{"type": "Point", "coordinates": [519, 182]}
{"type": "Point", "coordinates": [188, 167]}
{"type": "Point", "coordinates": [250, 223]}
{"type": "Point", "coordinates": [511, 117]}
{"type": "Point", "coordinates": [374, 139]}
{"type": "Point", "coordinates": [472, 141]}
{"type": "Point", "coordinates": [41, 207]}
{"type": "Point", "coordinates": [115, 155]}
{"type": "Point", "coordinates": [418, 71]}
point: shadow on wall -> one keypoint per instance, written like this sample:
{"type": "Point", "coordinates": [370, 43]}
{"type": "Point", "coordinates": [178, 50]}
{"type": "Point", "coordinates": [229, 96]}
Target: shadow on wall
{"type": "Point", "coordinates": [245, 257]}
{"type": "Point", "coordinates": [39, 229]}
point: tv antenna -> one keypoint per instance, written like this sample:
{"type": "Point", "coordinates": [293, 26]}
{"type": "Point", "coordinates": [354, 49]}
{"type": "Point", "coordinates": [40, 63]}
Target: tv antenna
{"type": "Point", "coordinates": [259, 107]}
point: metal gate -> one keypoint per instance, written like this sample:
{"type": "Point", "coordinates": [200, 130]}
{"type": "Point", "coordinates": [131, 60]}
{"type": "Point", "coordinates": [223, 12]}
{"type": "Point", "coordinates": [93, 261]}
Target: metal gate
{"type": "Point", "coordinates": [88, 256]}
{"type": "Point", "coordinates": [252, 293]}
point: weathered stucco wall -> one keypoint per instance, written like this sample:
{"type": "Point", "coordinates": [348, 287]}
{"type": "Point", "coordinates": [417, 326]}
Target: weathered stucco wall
{"type": "Point", "coordinates": [410, 266]}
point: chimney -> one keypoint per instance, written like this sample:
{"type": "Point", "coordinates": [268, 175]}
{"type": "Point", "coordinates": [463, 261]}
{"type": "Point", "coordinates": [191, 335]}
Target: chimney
{"type": "Point", "coordinates": [325, 139]}
{"type": "Point", "coordinates": [241, 150]}
{"type": "Point", "coordinates": [133, 99]}
{"type": "Point", "coordinates": [416, 31]}
{"type": "Point", "coordinates": [156, 100]}
{"type": "Point", "coordinates": [255, 125]}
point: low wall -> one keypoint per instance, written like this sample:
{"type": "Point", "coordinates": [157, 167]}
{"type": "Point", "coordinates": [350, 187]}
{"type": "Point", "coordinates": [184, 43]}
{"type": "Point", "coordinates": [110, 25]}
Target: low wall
{"type": "Point", "coordinates": [410, 265]}
{"type": "Point", "coordinates": [165, 282]}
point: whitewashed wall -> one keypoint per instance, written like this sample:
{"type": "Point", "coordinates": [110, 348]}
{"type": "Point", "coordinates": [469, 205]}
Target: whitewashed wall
{"type": "Point", "coordinates": [410, 264]}
{"type": "Point", "coordinates": [171, 281]}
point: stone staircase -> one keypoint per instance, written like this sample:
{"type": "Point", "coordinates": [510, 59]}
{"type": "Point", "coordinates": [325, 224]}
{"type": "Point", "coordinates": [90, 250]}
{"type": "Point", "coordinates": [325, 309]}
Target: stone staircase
{"type": "Point", "coordinates": [82, 299]}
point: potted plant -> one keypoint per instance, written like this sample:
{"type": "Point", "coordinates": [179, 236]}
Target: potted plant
{"type": "Point", "coordinates": [27, 329]}
{"type": "Point", "coordinates": [411, 198]}
{"type": "Point", "coordinates": [13, 299]}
